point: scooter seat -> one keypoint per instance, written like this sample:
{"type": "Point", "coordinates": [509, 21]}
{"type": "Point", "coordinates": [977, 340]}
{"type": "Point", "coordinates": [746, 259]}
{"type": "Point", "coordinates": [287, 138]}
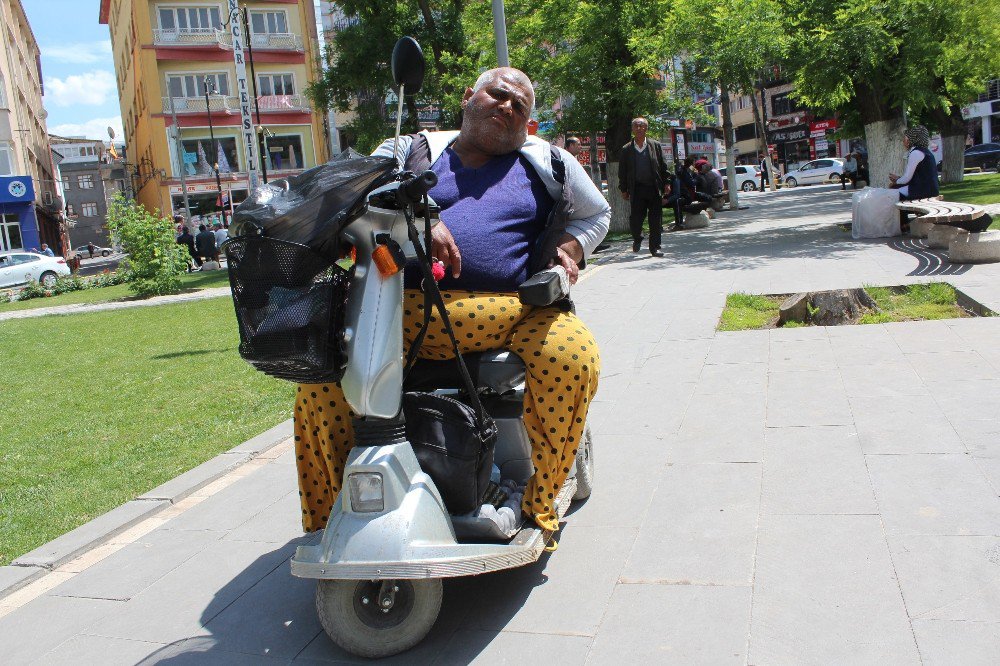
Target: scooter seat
{"type": "Point", "coordinates": [498, 371]}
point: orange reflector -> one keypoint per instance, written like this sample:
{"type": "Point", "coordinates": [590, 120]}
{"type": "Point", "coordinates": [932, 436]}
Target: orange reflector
{"type": "Point", "coordinates": [384, 261]}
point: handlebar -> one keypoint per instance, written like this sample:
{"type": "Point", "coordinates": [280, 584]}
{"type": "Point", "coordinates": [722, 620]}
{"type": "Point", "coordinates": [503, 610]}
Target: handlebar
{"type": "Point", "coordinates": [413, 190]}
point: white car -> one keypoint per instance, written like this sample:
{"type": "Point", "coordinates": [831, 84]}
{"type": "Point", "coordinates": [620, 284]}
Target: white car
{"type": "Point", "coordinates": [747, 177]}
{"type": "Point", "coordinates": [826, 170]}
{"type": "Point", "coordinates": [17, 267]}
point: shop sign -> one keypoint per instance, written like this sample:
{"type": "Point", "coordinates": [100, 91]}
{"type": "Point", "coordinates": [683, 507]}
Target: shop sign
{"type": "Point", "coordinates": [16, 188]}
{"type": "Point", "coordinates": [243, 90]}
{"type": "Point", "coordinates": [791, 134]}
{"type": "Point", "coordinates": [823, 125]}
{"type": "Point", "coordinates": [203, 188]}
{"type": "Point", "coordinates": [681, 152]}
{"type": "Point", "coordinates": [822, 145]}
{"type": "Point", "coordinates": [701, 147]}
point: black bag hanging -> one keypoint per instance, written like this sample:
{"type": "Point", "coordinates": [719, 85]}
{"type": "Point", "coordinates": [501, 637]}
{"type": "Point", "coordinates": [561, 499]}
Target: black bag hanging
{"type": "Point", "coordinates": [453, 441]}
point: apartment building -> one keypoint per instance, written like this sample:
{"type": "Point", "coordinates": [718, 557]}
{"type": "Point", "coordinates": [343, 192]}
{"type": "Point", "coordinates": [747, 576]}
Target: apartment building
{"type": "Point", "coordinates": [83, 187]}
{"type": "Point", "coordinates": [181, 109]}
{"type": "Point", "coordinates": [30, 209]}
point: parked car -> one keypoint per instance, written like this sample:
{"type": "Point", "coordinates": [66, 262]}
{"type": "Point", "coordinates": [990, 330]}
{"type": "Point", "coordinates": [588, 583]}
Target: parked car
{"type": "Point", "coordinates": [98, 251]}
{"type": "Point", "coordinates": [747, 177]}
{"type": "Point", "coordinates": [17, 267]}
{"type": "Point", "coordinates": [985, 156]}
{"type": "Point", "coordinates": [826, 170]}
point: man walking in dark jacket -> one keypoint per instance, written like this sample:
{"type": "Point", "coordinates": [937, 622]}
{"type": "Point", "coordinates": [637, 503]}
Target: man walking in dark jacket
{"type": "Point", "coordinates": [205, 244]}
{"type": "Point", "coordinates": [643, 180]}
{"type": "Point", "coordinates": [187, 240]}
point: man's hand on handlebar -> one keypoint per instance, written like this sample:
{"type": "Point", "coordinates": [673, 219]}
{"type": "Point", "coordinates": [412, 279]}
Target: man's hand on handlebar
{"type": "Point", "coordinates": [444, 249]}
{"type": "Point", "coordinates": [569, 254]}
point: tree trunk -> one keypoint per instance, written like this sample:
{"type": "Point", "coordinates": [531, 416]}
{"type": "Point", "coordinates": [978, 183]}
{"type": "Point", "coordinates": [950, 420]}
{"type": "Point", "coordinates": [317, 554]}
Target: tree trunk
{"type": "Point", "coordinates": [953, 131]}
{"type": "Point", "coordinates": [885, 150]}
{"type": "Point", "coordinates": [729, 138]}
{"type": "Point", "coordinates": [595, 168]}
{"type": "Point", "coordinates": [619, 207]}
{"type": "Point", "coordinates": [762, 130]}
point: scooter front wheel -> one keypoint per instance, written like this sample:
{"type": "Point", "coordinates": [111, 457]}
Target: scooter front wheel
{"type": "Point", "coordinates": [378, 618]}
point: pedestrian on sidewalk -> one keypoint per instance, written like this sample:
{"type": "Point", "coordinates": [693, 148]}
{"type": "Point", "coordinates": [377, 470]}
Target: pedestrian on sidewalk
{"type": "Point", "coordinates": [644, 180]}
{"type": "Point", "coordinates": [205, 244]}
{"type": "Point", "coordinates": [47, 251]}
{"type": "Point", "coordinates": [187, 240]}
{"type": "Point", "coordinates": [90, 249]}
{"type": "Point", "coordinates": [221, 236]}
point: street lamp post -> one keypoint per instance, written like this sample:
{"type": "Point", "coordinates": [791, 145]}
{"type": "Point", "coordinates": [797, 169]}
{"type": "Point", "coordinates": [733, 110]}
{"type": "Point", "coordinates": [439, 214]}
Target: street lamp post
{"type": "Point", "coordinates": [215, 149]}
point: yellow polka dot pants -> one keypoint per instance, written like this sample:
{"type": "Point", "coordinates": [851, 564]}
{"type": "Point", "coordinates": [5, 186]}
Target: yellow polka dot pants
{"type": "Point", "coordinates": [563, 365]}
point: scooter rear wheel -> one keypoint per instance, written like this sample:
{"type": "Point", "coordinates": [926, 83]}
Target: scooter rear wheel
{"type": "Point", "coordinates": [350, 613]}
{"type": "Point", "coordinates": [585, 467]}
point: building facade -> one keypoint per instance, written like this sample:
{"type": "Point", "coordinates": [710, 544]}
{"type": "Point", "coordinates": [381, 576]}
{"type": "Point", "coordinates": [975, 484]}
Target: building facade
{"type": "Point", "coordinates": [30, 208]}
{"type": "Point", "coordinates": [169, 54]}
{"type": "Point", "coordinates": [83, 188]}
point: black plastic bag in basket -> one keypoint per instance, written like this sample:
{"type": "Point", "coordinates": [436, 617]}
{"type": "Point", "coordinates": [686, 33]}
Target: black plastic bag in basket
{"type": "Point", "coordinates": [313, 207]}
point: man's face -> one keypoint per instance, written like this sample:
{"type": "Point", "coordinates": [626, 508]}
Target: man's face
{"type": "Point", "coordinates": [496, 116]}
{"type": "Point", "coordinates": [639, 128]}
{"type": "Point", "coordinates": [573, 148]}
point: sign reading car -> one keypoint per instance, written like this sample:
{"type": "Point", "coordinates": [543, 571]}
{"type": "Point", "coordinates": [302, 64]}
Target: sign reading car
{"type": "Point", "coordinates": [16, 189]}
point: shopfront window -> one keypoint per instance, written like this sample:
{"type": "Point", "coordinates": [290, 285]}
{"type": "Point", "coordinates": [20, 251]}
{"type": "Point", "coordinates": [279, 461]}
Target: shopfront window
{"type": "Point", "coordinates": [200, 156]}
{"type": "Point", "coordinates": [10, 233]}
{"type": "Point", "coordinates": [285, 152]}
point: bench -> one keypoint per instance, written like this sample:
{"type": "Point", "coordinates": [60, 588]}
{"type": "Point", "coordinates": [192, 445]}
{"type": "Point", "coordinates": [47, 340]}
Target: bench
{"type": "Point", "coordinates": [963, 247]}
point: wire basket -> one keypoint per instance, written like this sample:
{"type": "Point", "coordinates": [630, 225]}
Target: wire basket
{"type": "Point", "coordinates": [290, 304]}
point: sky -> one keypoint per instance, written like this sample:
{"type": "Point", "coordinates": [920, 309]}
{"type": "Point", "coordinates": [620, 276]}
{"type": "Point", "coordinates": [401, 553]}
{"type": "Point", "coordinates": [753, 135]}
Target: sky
{"type": "Point", "coordinates": [78, 72]}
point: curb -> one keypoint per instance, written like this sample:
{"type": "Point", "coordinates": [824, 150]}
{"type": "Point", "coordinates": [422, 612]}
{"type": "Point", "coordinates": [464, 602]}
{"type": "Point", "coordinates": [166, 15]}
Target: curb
{"type": "Point", "coordinates": [29, 567]}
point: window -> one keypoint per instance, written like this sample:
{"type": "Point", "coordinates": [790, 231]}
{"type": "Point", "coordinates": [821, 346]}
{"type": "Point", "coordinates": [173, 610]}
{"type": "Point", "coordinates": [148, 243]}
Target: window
{"type": "Point", "coordinates": [6, 159]}
{"type": "Point", "coordinates": [270, 22]}
{"type": "Point", "coordinates": [700, 137]}
{"type": "Point", "coordinates": [190, 19]}
{"type": "Point", "coordinates": [784, 104]}
{"type": "Point", "coordinates": [285, 152]}
{"type": "Point", "coordinates": [65, 183]}
{"type": "Point", "coordinates": [275, 84]}
{"type": "Point", "coordinates": [3, 92]}
{"type": "Point", "coordinates": [200, 156]}
{"type": "Point", "coordinates": [88, 209]}
{"type": "Point", "coordinates": [10, 232]}
{"type": "Point", "coordinates": [70, 210]}
{"type": "Point", "coordinates": [193, 85]}
{"type": "Point", "coordinates": [85, 182]}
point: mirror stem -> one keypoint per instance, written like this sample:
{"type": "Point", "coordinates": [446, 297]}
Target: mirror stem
{"type": "Point", "coordinates": [399, 122]}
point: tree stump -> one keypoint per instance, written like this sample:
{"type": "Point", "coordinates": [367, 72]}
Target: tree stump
{"type": "Point", "coordinates": [844, 306]}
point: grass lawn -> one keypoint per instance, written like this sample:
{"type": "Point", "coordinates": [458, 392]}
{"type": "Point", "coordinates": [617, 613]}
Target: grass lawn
{"type": "Point", "coordinates": [917, 302]}
{"type": "Point", "coordinates": [977, 190]}
{"type": "Point", "coordinates": [120, 292]}
{"type": "Point", "coordinates": [102, 407]}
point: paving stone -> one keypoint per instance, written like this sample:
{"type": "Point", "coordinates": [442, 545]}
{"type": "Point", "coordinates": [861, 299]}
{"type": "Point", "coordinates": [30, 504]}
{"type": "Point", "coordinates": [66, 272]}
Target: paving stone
{"type": "Point", "coordinates": [704, 437]}
{"type": "Point", "coordinates": [934, 494]}
{"type": "Point", "coordinates": [505, 647]}
{"type": "Point", "coordinates": [280, 522]}
{"type": "Point", "coordinates": [700, 527]}
{"type": "Point", "coordinates": [649, 413]}
{"type": "Point", "coordinates": [275, 618]}
{"type": "Point", "coordinates": [14, 578]}
{"type": "Point", "coordinates": [949, 642]}
{"type": "Point", "coordinates": [825, 593]}
{"type": "Point", "coordinates": [700, 323]}
{"type": "Point", "coordinates": [800, 355]}
{"type": "Point", "coordinates": [815, 470]}
{"type": "Point", "coordinates": [946, 366]}
{"type": "Point", "coordinates": [265, 440]}
{"type": "Point", "coordinates": [674, 624]}
{"type": "Point", "coordinates": [905, 424]}
{"type": "Point", "coordinates": [204, 650]}
{"type": "Point", "coordinates": [62, 549]}
{"type": "Point", "coordinates": [882, 379]}
{"type": "Point", "coordinates": [135, 567]}
{"type": "Point", "coordinates": [990, 467]}
{"type": "Point", "coordinates": [181, 486]}
{"type": "Point", "coordinates": [949, 577]}
{"type": "Point", "coordinates": [740, 347]}
{"type": "Point", "coordinates": [83, 649]}
{"type": "Point", "coordinates": [620, 483]}
{"type": "Point", "coordinates": [801, 333]}
{"type": "Point", "coordinates": [964, 401]}
{"type": "Point", "coordinates": [916, 337]}
{"type": "Point", "coordinates": [807, 399]}
{"type": "Point", "coordinates": [864, 350]}
{"type": "Point", "coordinates": [178, 605]}
{"type": "Point", "coordinates": [239, 502]}
{"type": "Point", "coordinates": [45, 623]}
{"type": "Point", "coordinates": [733, 378]}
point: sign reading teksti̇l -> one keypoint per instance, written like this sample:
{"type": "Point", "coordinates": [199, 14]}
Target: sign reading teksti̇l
{"type": "Point", "coordinates": [243, 89]}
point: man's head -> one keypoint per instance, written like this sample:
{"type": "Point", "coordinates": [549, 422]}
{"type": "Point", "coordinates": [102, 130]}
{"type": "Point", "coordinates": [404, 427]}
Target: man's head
{"type": "Point", "coordinates": [44, 247]}
{"type": "Point", "coordinates": [639, 128]}
{"type": "Point", "coordinates": [573, 146]}
{"type": "Point", "coordinates": [201, 227]}
{"type": "Point", "coordinates": [496, 111]}
{"type": "Point", "coordinates": [184, 230]}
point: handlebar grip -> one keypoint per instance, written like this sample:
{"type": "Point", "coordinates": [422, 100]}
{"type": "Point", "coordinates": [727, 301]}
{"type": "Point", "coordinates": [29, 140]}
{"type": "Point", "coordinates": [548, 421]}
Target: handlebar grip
{"type": "Point", "coordinates": [413, 190]}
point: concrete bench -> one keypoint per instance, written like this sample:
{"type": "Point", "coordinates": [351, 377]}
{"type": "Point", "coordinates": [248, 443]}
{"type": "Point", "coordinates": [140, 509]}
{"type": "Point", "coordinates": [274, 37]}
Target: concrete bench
{"type": "Point", "coordinates": [935, 211]}
{"type": "Point", "coordinates": [696, 220]}
{"type": "Point", "coordinates": [973, 248]}
{"type": "Point", "coordinates": [719, 200]}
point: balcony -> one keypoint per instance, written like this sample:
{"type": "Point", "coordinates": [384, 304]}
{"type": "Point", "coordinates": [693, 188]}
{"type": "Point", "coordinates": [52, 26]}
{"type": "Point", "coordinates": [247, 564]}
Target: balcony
{"type": "Point", "coordinates": [211, 37]}
{"type": "Point", "coordinates": [231, 104]}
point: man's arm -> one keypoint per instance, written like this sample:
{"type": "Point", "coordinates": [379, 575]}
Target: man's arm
{"type": "Point", "coordinates": [591, 213]}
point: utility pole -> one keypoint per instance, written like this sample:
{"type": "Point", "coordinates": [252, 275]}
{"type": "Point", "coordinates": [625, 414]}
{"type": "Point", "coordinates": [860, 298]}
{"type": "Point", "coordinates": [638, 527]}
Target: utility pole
{"type": "Point", "coordinates": [179, 147]}
{"type": "Point", "coordinates": [500, 33]}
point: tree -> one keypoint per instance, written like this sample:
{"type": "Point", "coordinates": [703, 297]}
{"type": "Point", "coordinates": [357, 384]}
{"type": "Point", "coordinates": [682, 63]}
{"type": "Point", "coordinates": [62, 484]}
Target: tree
{"type": "Point", "coordinates": [155, 260]}
{"type": "Point", "coordinates": [728, 43]}
{"type": "Point", "coordinates": [882, 59]}
{"type": "Point", "coordinates": [360, 78]}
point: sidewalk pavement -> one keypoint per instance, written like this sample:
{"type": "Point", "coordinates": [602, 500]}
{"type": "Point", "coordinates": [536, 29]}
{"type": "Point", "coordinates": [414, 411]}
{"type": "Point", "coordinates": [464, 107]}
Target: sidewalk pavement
{"type": "Point", "coordinates": [77, 308]}
{"type": "Point", "coordinates": [793, 496]}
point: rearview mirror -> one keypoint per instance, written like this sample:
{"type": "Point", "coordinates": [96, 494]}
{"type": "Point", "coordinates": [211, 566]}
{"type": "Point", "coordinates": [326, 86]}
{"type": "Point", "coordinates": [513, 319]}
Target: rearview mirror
{"type": "Point", "coordinates": [408, 65]}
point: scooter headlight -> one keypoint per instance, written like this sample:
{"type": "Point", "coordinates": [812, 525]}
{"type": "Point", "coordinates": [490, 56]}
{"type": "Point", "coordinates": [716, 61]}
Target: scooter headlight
{"type": "Point", "coordinates": [367, 494]}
